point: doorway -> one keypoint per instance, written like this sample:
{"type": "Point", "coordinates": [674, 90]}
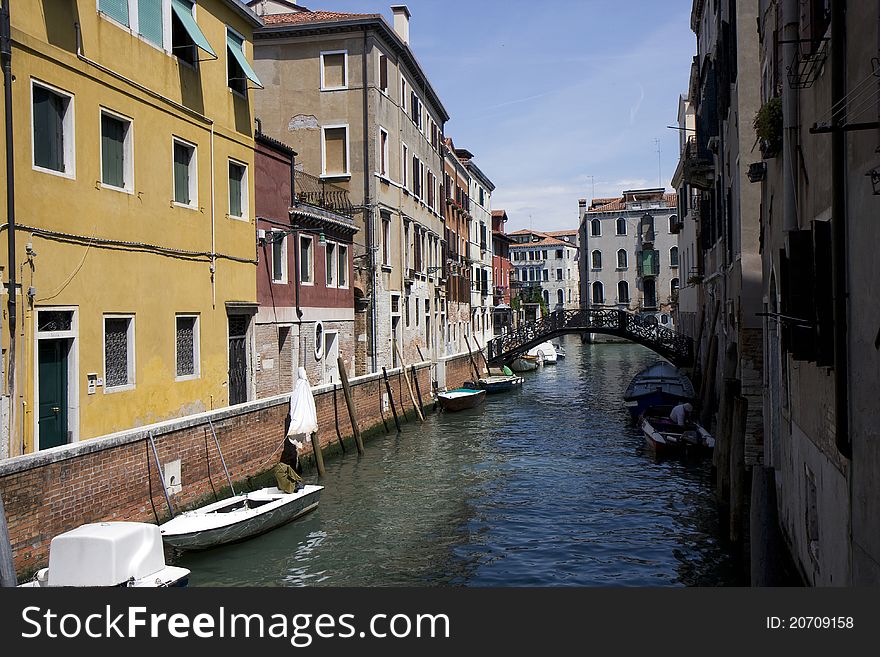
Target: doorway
{"type": "Point", "coordinates": [53, 391]}
{"type": "Point", "coordinates": [239, 381]}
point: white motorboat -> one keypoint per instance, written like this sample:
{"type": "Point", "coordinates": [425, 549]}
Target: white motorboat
{"type": "Point", "coordinates": [109, 554]}
{"type": "Point", "coordinates": [238, 518]}
{"type": "Point", "coordinates": [544, 351]}
{"type": "Point", "coordinates": [560, 351]}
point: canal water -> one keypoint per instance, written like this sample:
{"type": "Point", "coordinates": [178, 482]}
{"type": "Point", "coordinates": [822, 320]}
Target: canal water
{"type": "Point", "coordinates": [548, 486]}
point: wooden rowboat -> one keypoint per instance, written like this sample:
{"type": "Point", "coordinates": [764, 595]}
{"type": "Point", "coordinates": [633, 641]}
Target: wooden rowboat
{"type": "Point", "coordinates": [496, 384]}
{"type": "Point", "coordinates": [461, 399]}
{"type": "Point", "coordinates": [667, 438]}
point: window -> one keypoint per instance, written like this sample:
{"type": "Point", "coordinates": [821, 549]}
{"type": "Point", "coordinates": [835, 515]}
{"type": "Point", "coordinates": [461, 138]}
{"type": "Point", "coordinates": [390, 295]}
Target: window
{"type": "Point", "coordinates": [595, 228]}
{"type": "Point", "coordinates": [430, 190]}
{"type": "Point", "coordinates": [52, 129]}
{"type": "Point", "coordinates": [545, 275]}
{"type": "Point", "coordinates": [386, 239]}
{"type": "Point", "coordinates": [116, 151]}
{"type": "Point", "coordinates": [330, 264]}
{"type": "Point", "coordinates": [383, 152]}
{"type": "Point", "coordinates": [118, 352]}
{"type": "Point", "coordinates": [403, 163]}
{"type": "Point", "coordinates": [187, 346]}
{"type": "Point", "coordinates": [186, 36]}
{"type": "Point", "coordinates": [403, 92]}
{"type": "Point", "coordinates": [185, 173]}
{"type": "Point", "coordinates": [334, 70]}
{"type": "Point", "coordinates": [238, 190]}
{"type": "Point", "coordinates": [621, 226]}
{"type": "Point", "coordinates": [673, 286]}
{"type": "Point", "coordinates": [560, 254]}
{"type": "Point", "coordinates": [673, 256]}
{"type": "Point", "coordinates": [238, 69]}
{"type": "Point", "coordinates": [342, 267]}
{"type": "Point", "coordinates": [143, 17]}
{"type": "Point", "coordinates": [598, 293]}
{"type": "Point", "coordinates": [415, 110]}
{"type": "Point", "coordinates": [560, 297]}
{"type": "Point", "coordinates": [306, 260]}
{"type": "Point", "coordinates": [279, 257]}
{"type": "Point", "coordinates": [383, 74]}
{"type": "Point", "coordinates": [115, 9]}
{"type": "Point", "coordinates": [416, 177]}
{"type": "Point", "coordinates": [543, 255]}
{"type": "Point", "coordinates": [623, 292]}
{"type": "Point", "coordinates": [673, 223]}
{"type": "Point", "coordinates": [622, 259]}
{"type": "Point", "coordinates": [335, 150]}
{"type": "Point", "coordinates": [597, 260]}
{"type": "Point", "coordinates": [558, 274]}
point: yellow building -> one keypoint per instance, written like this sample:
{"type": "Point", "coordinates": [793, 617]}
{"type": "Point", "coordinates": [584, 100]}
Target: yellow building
{"type": "Point", "coordinates": [134, 239]}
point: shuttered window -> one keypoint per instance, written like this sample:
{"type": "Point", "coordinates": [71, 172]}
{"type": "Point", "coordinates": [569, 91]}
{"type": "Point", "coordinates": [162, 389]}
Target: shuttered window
{"type": "Point", "coordinates": [237, 189]}
{"type": "Point", "coordinates": [49, 111]}
{"type": "Point", "coordinates": [383, 73]}
{"type": "Point", "coordinates": [184, 157]}
{"type": "Point", "coordinates": [343, 266]}
{"type": "Point", "coordinates": [114, 156]}
{"type": "Point", "coordinates": [335, 151]}
{"type": "Point", "coordinates": [150, 23]}
{"type": "Point", "coordinates": [115, 9]}
{"type": "Point", "coordinates": [333, 68]}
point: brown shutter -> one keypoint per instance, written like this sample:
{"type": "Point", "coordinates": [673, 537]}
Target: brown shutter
{"type": "Point", "coordinates": [335, 150]}
{"type": "Point", "coordinates": [383, 72]}
{"type": "Point", "coordinates": [334, 70]}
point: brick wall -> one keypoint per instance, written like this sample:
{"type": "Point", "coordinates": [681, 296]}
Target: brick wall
{"type": "Point", "coordinates": [115, 477]}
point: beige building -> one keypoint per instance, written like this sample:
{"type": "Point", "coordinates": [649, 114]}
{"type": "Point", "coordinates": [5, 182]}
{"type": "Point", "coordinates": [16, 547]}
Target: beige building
{"type": "Point", "coordinates": [346, 92]}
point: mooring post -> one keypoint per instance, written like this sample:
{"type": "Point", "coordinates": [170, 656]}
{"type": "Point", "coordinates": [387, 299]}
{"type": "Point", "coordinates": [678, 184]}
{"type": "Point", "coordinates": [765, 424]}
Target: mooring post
{"type": "Point", "coordinates": [412, 396]}
{"type": "Point", "coordinates": [346, 390]}
{"type": "Point", "coordinates": [391, 399]}
{"type": "Point", "coordinates": [415, 377]}
{"type": "Point", "coordinates": [319, 455]}
{"type": "Point", "coordinates": [473, 362]}
{"type": "Point", "coordinates": [8, 578]}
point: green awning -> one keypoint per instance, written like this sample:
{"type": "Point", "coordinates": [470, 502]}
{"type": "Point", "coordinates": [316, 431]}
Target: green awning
{"type": "Point", "coordinates": [183, 10]}
{"type": "Point", "coordinates": [235, 47]}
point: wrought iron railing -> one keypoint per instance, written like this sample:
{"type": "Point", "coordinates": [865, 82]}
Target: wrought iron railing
{"type": "Point", "coordinates": [322, 194]}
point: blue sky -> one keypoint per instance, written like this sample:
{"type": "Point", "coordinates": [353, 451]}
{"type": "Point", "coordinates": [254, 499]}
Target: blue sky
{"type": "Point", "coordinates": [547, 93]}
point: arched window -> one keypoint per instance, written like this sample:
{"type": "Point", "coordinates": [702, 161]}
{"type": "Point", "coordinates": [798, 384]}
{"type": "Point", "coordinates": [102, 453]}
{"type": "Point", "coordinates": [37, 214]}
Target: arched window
{"type": "Point", "coordinates": [595, 228]}
{"type": "Point", "coordinates": [547, 297]}
{"type": "Point", "coordinates": [569, 296]}
{"type": "Point", "coordinates": [673, 286]}
{"type": "Point", "coordinates": [623, 292]}
{"type": "Point", "coordinates": [597, 259]}
{"type": "Point", "coordinates": [560, 297]}
{"type": "Point", "coordinates": [673, 221]}
{"type": "Point", "coordinates": [598, 293]}
{"type": "Point", "coordinates": [621, 226]}
{"type": "Point", "coordinates": [621, 259]}
{"type": "Point", "coordinates": [673, 256]}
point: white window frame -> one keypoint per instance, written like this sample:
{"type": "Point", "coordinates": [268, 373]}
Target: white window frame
{"type": "Point", "coordinates": [386, 242]}
{"type": "Point", "coordinates": [404, 179]}
{"type": "Point", "coordinates": [383, 153]}
{"type": "Point", "coordinates": [324, 130]}
{"type": "Point", "coordinates": [311, 241]}
{"type": "Point", "coordinates": [197, 352]}
{"type": "Point", "coordinates": [404, 89]}
{"type": "Point", "coordinates": [245, 191]}
{"type": "Point", "coordinates": [73, 404]}
{"type": "Point", "coordinates": [69, 133]}
{"type": "Point", "coordinates": [134, 26]}
{"type": "Point", "coordinates": [386, 90]}
{"type": "Point", "coordinates": [284, 274]}
{"type": "Point", "coordinates": [344, 54]}
{"type": "Point", "coordinates": [127, 147]}
{"type": "Point", "coordinates": [193, 174]}
{"type": "Point", "coordinates": [132, 370]}
{"type": "Point", "coordinates": [340, 249]}
{"type": "Point", "coordinates": [331, 278]}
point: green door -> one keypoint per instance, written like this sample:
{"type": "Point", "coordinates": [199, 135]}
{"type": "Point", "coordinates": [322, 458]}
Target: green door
{"type": "Point", "coordinates": [53, 392]}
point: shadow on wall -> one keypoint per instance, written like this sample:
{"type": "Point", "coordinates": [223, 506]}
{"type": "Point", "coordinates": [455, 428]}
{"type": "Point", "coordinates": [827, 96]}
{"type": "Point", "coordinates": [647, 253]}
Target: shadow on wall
{"type": "Point", "coordinates": [60, 17]}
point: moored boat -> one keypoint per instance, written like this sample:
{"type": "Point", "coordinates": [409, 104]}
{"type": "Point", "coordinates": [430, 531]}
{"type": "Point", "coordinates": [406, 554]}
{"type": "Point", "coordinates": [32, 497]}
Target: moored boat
{"type": "Point", "coordinates": [238, 518]}
{"type": "Point", "coordinates": [560, 352]}
{"type": "Point", "coordinates": [667, 438]}
{"type": "Point", "coordinates": [460, 399]}
{"type": "Point", "coordinates": [109, 554]}
{"type": "Point", "coordinates": [525, 363]}
{"type": "Point", "coordinates": [661, 384]}
{"type": "Point", "coordinates": [545, 352]}
{"type": "Point", "coordinates": [496, 384]}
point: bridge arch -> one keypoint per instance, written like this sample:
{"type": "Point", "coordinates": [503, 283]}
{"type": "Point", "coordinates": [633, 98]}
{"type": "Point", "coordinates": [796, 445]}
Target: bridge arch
{"type": "Point", "coordinates": [677, 348]}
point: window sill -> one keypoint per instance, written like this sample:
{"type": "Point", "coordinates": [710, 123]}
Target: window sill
{"type": "Point", "coordinates": [237, 218]}
{"type": "Point", "coordinates": [188, 377]}
{"type": "Point", "coordinates": [344, 88]}
{"type": "Point", "coordinates": [113, 188]}
{"type": "Point", "coordinates": [115, 389]}
{"type": "Point", "coordinates": [53, 172]}
{"type": "Point", "coordinates": [336, 176]}
{"type": "Point", "coordinates": [387, 268]}
{"type": "Point", "coordinates": [281, 282]}
{"type": "Point", "coordinates": [184, 206]}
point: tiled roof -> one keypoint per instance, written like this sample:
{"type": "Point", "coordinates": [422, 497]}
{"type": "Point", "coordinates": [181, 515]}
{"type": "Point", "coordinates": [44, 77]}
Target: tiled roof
{"type": "Point", "coordinates": [548, 239]}
{"type": "Point", "coordinates": [618, 204]}
{"type": "Point", "coordinates": [562, 233]}
{"type": "Point", "coordinates": [499, 213]}
{"type": "Point", "coordinates": [303, 17]}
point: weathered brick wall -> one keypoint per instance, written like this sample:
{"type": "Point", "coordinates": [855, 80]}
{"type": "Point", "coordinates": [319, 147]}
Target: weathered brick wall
{"type": "Point", "coordinates": [459, 369]}
{"type": "Point", "coordinates": [115, 477]}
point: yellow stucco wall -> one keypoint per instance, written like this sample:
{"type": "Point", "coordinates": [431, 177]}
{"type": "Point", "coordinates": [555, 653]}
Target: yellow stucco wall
{"type": "Point", "coordinates": [96, 280]}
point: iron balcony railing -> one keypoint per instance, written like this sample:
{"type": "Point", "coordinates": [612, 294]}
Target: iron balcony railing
{"type": "Point", "coordinates": [321, 194]}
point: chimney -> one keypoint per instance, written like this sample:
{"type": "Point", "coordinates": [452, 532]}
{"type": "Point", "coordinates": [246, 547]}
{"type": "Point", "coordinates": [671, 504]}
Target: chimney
{"type": "Point", "coordinates": [582, 205]}
{"type": "Point", "coordinates": [401, 22]}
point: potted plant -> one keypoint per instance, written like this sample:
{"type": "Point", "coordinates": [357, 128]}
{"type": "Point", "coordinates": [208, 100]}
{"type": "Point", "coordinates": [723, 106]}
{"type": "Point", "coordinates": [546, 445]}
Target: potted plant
{"type": "Point", "coordinates": [768, 127]}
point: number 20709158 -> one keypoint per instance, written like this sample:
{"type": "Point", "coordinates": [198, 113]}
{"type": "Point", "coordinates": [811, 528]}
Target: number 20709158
{"type": "Point", "coordinates": [810, 623]}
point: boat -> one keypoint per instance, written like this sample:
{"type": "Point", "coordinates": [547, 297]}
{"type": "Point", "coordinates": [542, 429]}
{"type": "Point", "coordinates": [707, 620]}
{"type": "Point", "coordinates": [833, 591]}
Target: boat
{"type": "Point", "coordinates": [544, 351]}
{"type": "Point", "coordinates": [524, 363]}
{"type": "Point", "coordinates": [126, 554]}
{"type": "Point", "coordinates": [667, 438]}
{"type": "Point", "coordinates": [661, 384]}
{"type": "Point", "coordinates": [238, 518]}
{"type": "Point", "coordinates": [560, 352]}
{"type": "Point", "coordinates": [496, 384]}
{"type": "Point", "coordinates": [461, 399]}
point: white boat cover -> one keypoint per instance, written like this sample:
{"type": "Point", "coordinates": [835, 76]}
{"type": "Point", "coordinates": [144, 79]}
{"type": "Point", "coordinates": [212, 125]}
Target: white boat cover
{"type": "Point", "coordinates": [303, 417]}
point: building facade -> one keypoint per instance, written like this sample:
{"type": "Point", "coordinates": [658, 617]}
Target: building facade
{"type": "Point", "coordinates": [457, 259]}
{"type": "Point", "coordinates": [133, 185]}
{"type": "Point", "coordinates": [346, 92]}
{"type": "Point", "coordinates": [502, 273]}
{"type": "Point", "coordinates": [630, 254]}
{"type": "Point", "coordinates": [545, 266]}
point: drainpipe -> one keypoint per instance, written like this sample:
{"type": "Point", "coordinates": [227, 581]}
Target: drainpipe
{"type": "Point", "coordinates": [368, 214]}
{"type": "Point", "coordinates": [6, 58]}
{"type": "Point", "coordinates": [296, 276]}
{"type": "Point", "coordinates": [838, 227]}
{"type": "Point", "coordinates": [790, 35]}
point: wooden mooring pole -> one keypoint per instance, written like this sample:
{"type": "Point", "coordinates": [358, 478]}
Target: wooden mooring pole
{"type": "Point", "coordinates": [473, 362]}
{"type": "Point", "coordinates": [412, 395]}
{"type": "Point", "coordinates": [346, 390]}
{"type": "Point", "coordinates": [7, 565]}
{"type": "Point", "coordinates": [391, 399]}
{"type": "Point", "coordinates": [415, 375]}
{"type": "Point", "coordinates": [319, 455]}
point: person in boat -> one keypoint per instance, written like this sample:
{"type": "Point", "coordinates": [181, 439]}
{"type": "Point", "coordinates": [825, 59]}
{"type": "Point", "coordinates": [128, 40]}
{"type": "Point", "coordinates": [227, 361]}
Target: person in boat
{"type": "Point", "coordinates": [288, 470]}
{"type": "Point", "coordinates": [681, 414]}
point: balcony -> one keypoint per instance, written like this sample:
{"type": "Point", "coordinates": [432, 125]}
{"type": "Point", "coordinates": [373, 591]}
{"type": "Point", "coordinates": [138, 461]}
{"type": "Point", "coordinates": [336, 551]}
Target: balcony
{"type": "Point", "coordinates": [698, 168]}
{"type": "Point", "coordinates": [318, 193]}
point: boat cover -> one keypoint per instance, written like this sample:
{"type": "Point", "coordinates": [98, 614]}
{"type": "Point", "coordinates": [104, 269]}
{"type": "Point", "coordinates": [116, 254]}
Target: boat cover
{"type": "Point", "coordinates": [303, 417]}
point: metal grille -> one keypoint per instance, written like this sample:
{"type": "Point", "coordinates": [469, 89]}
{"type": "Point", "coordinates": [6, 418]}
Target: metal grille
{"type": "Point", "coordinates": [116, 352]}
{"type": "Point", "coordinates": [238, 325]}
{"type": "Point", "coordinates": [186, 346]}
{"type": "Point", "coordinates": [54, 320]}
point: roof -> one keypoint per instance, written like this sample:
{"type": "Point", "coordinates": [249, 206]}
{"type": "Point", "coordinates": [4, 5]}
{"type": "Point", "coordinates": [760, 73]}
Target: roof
{"type": "Point", "coordinates": [500, 214]}
{"type": "Point", "coordinates": [619, 204]}
{"type": "Point", "coordinates": [310, 17]}
{"type": "Point", "coordinates": [245, 12]}
{"type": "Point", "coordinates": [547, 239]}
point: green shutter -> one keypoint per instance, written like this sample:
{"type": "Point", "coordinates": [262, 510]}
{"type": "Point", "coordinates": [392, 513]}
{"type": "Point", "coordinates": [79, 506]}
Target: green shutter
{"type": "Point", "coordinates": [48, 129]}
{"type": "Point", "coordinates": [115, 9]}
{"type": "Point", "coordinates": [235, 176]}
{"type": "Point", "coordinates": [235, 47]}
{"type": "Point", "coordinates": [183, 10]}
{"type": "Point", "coordinates": [182, 160]}
{"type": "Point", "coordinates": [150, 23]}
{"type": "Point", "coordinates": [112, 151]}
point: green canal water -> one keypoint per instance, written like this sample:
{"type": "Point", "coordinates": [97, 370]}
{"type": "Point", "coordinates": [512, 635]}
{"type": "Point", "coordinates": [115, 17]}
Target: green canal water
{"type": "Point", "coordinates": [548, 486]}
